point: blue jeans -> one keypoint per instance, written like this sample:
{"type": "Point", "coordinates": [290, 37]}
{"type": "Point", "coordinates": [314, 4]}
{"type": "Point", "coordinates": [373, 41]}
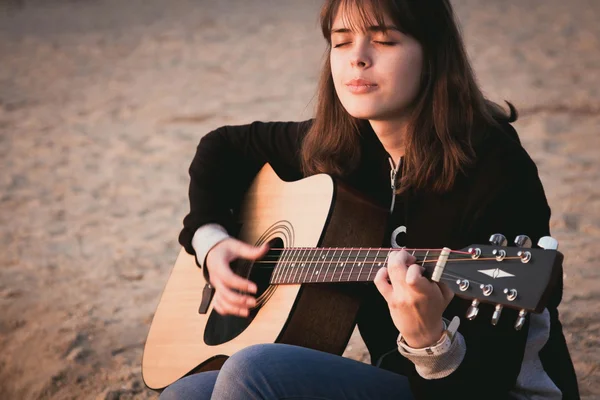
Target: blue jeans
{"type": "Point", "coordinates": [278, 371]}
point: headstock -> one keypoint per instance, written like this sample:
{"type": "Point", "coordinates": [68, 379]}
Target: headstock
{"type": "Point", "coordinates": [518, 277]}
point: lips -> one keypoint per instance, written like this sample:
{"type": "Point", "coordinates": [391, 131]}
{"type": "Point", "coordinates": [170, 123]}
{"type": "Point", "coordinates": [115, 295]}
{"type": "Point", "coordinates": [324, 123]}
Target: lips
{"type": "Point", "coordinates": [361, 86]}
{"type": "Point", "coordinates": [360, 82]}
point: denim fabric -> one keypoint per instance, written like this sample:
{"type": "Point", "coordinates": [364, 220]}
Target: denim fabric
{"type": "Point", "coordinates": [277, 371]}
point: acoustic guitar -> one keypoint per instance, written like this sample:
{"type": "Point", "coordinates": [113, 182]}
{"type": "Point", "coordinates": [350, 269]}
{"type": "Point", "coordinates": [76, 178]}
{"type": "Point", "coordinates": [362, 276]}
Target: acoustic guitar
{"type": "Point", "coordinates": [310, 283]}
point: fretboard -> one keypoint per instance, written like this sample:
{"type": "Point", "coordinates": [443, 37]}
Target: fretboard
{"type": "Point", "coordinates": [313, 265]}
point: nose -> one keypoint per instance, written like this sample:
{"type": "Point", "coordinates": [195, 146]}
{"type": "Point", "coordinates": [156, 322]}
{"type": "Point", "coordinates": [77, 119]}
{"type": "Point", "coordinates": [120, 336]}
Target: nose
{"type": "Point", "coordinates": [360, 58]}
{"type": "Point", "coordinates": [357, 62]}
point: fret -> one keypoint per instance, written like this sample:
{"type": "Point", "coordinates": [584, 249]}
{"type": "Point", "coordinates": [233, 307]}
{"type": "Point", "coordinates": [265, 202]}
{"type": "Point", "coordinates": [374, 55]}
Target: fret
{"type": "Point", "coordinates": [360, 273]}
{"type": "Point", "coordinates": [302, 266]}
{"type": "Point", "coordinates": [282, 276]}
{"type": "Point", "coordinates": [357, 264]}
{"type": "Point", "coordinates": [344, 265]}
{"type": "Point", "coordinates": [277, 272]}
{"type": "Point", "coordinates": [373, 264]}
{"type": "Point", "coordinates": [326, 275]}
{"type": "Point", "coordinates": [338, 263]}
{"type": "Point", "coordinates": [295, 265]}
{"type": "Point", "coordinates": [323, 259]}
{"type": "Point", "coordinates": [425, 259]}
{"type": "Point", "coordinates": [386, 259]}
{"type": "Point", "coordinates": [312, 266]}
{"type": "Point", "coordinates": [305, 267]}
{"type": "Point", "coordinates": [279, 267]}
{"type": "Point", "coordinates": [354, 262]}
{"type": "Point", "coordinates": [314, 276]}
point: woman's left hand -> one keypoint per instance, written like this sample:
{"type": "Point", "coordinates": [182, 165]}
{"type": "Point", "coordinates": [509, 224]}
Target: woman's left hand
{"type": "Point", "coordinates": [416, 303]}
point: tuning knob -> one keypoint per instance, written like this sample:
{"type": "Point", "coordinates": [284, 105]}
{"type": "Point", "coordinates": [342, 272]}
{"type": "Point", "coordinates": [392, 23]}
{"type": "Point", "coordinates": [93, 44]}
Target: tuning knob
{"type": "Point", "coordinates": [463, 284]}
{"type": "Point", "coordinates": [520, 320]}
{"type": "Point", "coordinates": [486, 289]}
{"type": "Point", "coordinates": [511, 294]}
{"type": "Point", "coordinates": [523, 241]}
{"type": "Point", "coordinates": [496, 315]}
{"type": "Point", "coordinates": [473, 310]}
{"type": "Point", "coordinates": [548, 243]}
{"type": "Point", "coordinates": [498, 239]}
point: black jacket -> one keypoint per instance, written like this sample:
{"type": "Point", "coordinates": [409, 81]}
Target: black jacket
{"type": "Point", "coordinates": [500, 193]}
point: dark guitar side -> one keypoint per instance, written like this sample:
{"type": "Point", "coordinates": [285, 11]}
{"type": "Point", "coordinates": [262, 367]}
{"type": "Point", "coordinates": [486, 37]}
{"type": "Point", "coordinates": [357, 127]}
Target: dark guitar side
{"type": "Point", "coordinates": [324, 315]}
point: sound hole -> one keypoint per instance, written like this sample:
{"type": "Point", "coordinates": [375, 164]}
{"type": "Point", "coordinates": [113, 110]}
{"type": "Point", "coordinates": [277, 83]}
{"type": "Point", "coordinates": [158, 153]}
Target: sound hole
{"type": "Point", "coordinates": [223, 328]}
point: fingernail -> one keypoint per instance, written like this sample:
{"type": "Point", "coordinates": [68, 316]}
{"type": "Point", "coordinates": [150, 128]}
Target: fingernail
{"type": "Point", "coordinates": [251, 302]}
{"type": "Point", "coordinates": [252, 288]}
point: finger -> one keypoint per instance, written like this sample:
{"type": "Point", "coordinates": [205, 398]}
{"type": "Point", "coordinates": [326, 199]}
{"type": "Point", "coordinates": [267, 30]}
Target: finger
{"type": "Point", "coordinates": [233, 281]}
{"type": "Point", "coordinates": [415, 278]}
{"type": "Point", "coordinates": [217, 305]}
{"type": "Point", "coordinates": [249, 252]}
{"type": "Point", "coordinates": [382, 284]}
{"type": "Point", "coordinates": [406, 258]}
{"type": "Point", "coordinates": [447, 293]}
{"type": "Point", "coordinates": [223, 276]}
{"type": "Point", "coordinates": [237, 300]}
{"type": "Point", "coordinates": [227, 308]}
{"type": "Point", "coordinates": [396, 267]}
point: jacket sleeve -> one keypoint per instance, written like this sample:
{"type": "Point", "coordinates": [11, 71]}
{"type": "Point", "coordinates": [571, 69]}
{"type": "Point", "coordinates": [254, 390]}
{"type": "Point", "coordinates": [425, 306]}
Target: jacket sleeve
{"type": "Point", "coordinates": [510, 200]}
{"type": "Point", "coordinates": [226, 161]}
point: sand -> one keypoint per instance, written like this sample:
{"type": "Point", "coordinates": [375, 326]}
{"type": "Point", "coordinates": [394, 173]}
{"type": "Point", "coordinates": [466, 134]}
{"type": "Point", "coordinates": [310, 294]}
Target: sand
{"type": "Point", "coordinates": [102, 103]}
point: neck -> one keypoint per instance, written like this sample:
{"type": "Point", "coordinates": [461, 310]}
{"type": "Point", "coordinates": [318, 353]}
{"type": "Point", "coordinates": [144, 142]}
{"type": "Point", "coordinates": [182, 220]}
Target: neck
{"type": "Point", "coordinates": [391, 134]}
{"type": "Point", "coordinates": [327, 265]}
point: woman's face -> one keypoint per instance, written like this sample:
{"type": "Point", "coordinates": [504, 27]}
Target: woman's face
{"type": "Point", "coordinates": [376, 75]}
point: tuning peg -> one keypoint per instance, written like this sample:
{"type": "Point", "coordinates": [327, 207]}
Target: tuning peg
{"type": "Point", "coordinates": [486, 289]}
{"type": "Point", "coordinates": [496, 315]}
{"type": "Point", "coordinates": [523, 241]}
{"type": "Point", "coordinates": [473, 310]}
{"type": "Point", "coordinates": [498, 239]}
{"type": "Point", "coordinates": [548, 243]}
{"type": "Point", "coordinates": [520, 320]}
{"type": "Point", "coordinates": [511, 294]}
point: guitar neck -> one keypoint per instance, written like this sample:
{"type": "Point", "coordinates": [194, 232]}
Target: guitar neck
{"type": "Point", "coordinates": [333, 265]}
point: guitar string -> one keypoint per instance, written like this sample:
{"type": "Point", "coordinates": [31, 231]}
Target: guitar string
{"type": "Point", "coordinates": [446, 276]}
{"type": "Point", "coordinates": [378, 259]}
{"type": "Point", "coordinates": [428, 251]}
{"type": "Point", "coordinates": [356, 275]}
{"type": "Point", "coordinates": [342, 275]}
{"type": "Point", "coordinates": [364, 248]}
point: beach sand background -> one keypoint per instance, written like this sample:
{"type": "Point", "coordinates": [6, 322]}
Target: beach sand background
{"type": "Point", "coordinates": [102, 103]}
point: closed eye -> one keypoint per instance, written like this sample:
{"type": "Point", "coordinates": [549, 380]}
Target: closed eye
{"type": "Point", "coordinates": [378, 42]}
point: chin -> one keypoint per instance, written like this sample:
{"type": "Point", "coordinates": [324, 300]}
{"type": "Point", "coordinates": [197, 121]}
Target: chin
{"type": "Point", "coordinates": [365, 108]}
{"type": "Point", "coordinates": [365, 113]}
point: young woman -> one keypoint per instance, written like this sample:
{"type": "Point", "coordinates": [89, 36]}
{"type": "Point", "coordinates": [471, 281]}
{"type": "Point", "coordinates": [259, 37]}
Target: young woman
{"type": "Point", "coordinates": [397, 97]}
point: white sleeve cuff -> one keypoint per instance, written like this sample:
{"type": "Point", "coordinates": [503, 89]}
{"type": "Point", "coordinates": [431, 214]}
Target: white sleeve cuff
{"type": "Point", "coordinates": [205, 238]}
{"type": "Point", "coordinates": [440, 365]}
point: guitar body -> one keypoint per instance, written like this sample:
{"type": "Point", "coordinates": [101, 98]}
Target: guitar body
{"type": "Point", "coordinates": [312, 212]}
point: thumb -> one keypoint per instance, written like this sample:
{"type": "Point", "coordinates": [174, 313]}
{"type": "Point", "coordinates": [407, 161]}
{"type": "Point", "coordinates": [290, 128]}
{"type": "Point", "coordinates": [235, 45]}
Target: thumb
{"type": "Point", "coordinates": [250, 252]}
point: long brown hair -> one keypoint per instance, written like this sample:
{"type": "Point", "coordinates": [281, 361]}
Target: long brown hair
{"type": "Point", "coordinates": [447, 114]}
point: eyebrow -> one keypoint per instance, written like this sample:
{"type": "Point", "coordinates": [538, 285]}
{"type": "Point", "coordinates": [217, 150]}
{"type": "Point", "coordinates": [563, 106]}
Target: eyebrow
{"type": "Point", "coordinates": [373, 28]}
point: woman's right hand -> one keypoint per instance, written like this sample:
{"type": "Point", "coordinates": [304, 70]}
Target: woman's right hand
{"type": "Point", "coordinates": [226, 300]}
